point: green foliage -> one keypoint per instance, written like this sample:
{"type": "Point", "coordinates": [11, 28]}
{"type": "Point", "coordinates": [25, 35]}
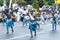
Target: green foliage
{"type": "Point", "coordinates": [50, 2]}
{"type": "Point", "coordinates": [1, 2]}
{"type": "Point", "coordinates": [23, 2]}
{"type": "Point", "coordinates": [41, 3]}
{"type": "Point", "coordinates": [7, 2]}
{"type": "Point", "coordinates": [35, 4]}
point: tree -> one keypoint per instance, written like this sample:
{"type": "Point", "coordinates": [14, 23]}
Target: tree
{"type": "Point", "coordinates": [50, 2]}
{"type": "Point", "coordinates": [1, 2]}
{"type": "Point", "coordinates": [7, 2]}
{"type": "Point", "coordinates": [35, 4]}
{"type": "Point", "coordinates": [29, 2]}
{"type": "Point", "coordinates": [41, 3]}
{"type": "Point", "coordinates": [21, 2]}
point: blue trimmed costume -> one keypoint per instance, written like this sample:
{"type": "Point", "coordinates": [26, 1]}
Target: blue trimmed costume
{"type": "Point", "coordinates": [3, 20]}
{"type": "Point", "coordinates": [54, 24]}
{"type": "Point", "coordinates": [9, 23]}
{"type": "Point", "coordinates": [33, 27]}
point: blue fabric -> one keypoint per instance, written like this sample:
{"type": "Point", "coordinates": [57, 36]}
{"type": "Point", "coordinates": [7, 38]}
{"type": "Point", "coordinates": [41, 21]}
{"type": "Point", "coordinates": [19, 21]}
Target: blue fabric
{"type": "Point", "coordinates": [3, 20]}
{"type": "Point", "coordinates": [32, 27]}
{"type": "Point", "coordinates": [56, 18]}
{"type": "Point", "coordinates": [36, 24]}
{"type": "Point", "coordinates": [53, 25]}
{"type": "Point", "coordinates": [9, 23]}
{"type": "Point", "coordinates": [31, 31]}
{"type": "Point", "coordinates": [24, 21]}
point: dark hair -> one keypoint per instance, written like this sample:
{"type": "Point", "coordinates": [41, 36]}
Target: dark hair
{"type": "Point", "coordinates": [8, 16]}
{"type": "Point", "coordinates": [54, 18]}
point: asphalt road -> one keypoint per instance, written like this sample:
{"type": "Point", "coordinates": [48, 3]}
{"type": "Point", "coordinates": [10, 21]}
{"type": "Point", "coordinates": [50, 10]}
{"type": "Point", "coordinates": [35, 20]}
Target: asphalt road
{"type": "Point", "coordinates": [22, 33]}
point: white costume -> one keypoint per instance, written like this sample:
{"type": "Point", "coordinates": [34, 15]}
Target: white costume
{"type": "Point", "coordinates": [25, 12]}
{"type": "Point", "coordinates": [18, 16]}
{"type": "Point", "coordinates": [27, 17]}
{"type": "Point", "coordinates": [31, 17]}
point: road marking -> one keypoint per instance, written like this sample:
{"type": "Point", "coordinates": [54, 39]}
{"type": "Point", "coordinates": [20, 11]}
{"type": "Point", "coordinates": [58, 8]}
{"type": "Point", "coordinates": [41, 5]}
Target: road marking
{"type": "Point", "coordinates": [23, 36]}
